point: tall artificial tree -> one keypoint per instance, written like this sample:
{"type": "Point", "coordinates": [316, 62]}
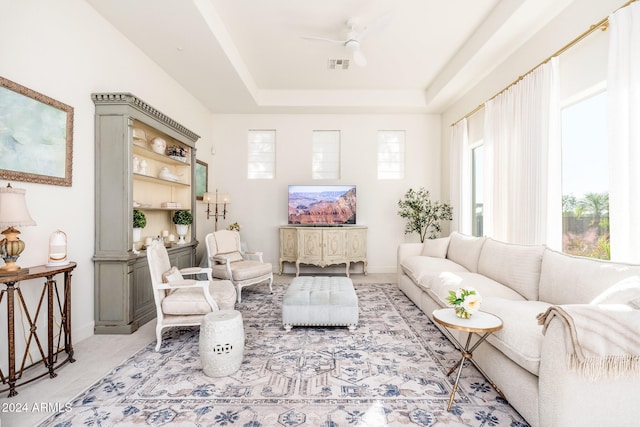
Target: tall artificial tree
{"type": "Point", "coordinates": [423, 215]}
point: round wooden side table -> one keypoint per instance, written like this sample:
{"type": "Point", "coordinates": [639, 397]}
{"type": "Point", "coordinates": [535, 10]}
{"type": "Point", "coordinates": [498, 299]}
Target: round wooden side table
{"type": "Point", "coordinates": [481, 323]}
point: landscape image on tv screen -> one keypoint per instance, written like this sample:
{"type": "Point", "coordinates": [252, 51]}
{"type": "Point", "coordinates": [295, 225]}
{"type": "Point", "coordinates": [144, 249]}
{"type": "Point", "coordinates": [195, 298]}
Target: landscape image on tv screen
{"type": "Point", "coordinates": [322, 204]}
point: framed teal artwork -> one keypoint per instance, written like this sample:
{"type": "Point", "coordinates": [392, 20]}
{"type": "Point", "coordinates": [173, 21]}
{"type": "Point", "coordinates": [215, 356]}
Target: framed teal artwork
{"type": "Point", "coordinates": [202, 179]}
{"type": "Point", "coordinates": [36, 136]}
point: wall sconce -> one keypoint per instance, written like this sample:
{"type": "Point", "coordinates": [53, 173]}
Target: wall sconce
{"type": "Point", "coordinates": [13, 212]}
{"type": "Point", "coordinates": [217, 199]}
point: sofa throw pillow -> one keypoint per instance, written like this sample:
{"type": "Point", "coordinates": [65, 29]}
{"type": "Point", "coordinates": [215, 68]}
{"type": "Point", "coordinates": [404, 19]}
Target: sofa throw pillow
{"type": "Point", "coordinates": [626, 291]}
{"type": "Point", "coordinates": [465, 250]}
{"type": "Point", "coordinates": [516, 266]}
{"type": "Point", "coordinates": [231, 256]}
{"type": "Point", "coordinates": [172, 275]}
{"type": "Point", "coordinates": [436, 247]}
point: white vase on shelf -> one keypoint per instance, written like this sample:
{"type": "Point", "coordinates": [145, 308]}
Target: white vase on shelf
{"type": "Point", "coordinates": [137, 232]}
{"type": "Point", "coordinates": [182, 231]}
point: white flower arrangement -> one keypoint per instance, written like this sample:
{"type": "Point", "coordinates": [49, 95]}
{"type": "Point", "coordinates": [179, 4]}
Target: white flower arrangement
{"type": "Point", "coordinates": [465, 301]}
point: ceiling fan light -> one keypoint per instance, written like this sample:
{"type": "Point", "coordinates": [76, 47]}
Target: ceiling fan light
{"type": "Point", "coordinates": [353, 46]}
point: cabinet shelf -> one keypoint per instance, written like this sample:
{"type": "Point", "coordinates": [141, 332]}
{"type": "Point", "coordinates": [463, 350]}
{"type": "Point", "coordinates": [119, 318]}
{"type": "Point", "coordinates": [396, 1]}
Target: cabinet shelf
{"type": "Point", "coordinates": [150, 154]}
{"type": "Point", "coordinates": [147, 178]}
{"type": "Point", "coordinates": [156, 208]}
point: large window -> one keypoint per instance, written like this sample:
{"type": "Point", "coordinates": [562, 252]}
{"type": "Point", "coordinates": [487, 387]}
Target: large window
{"type": "Point", "coordinates": [261, 159]}
{"type": "Point", "coordinates": [477, 169]}
{"type": "Point", "coordinates": [390, 154]}
{"type": "Point", "coordinates": [585, 184]}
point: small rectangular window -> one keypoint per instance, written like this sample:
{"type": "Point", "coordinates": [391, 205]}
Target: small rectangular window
{"type": "Point", "coordinates": [325, 163]}
{"type": "Point", "coordinates": [391, 154]}
{"type": "Point", "coordinates": [261, 159]}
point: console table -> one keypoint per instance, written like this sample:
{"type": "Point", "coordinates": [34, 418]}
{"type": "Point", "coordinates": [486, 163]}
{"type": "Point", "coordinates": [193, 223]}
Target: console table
{"type": "Point", "coordinates": [323, 246]}
{"type": "Point", "coordinates": [53, 299]}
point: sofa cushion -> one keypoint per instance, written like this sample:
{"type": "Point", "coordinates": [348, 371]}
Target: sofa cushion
{"type": "Point", "coordinates": [447, 281]}
{"type": "Point", "coordinates": [436, 247]}
{"type": "Point", "coordinates": [465, 250]}
{"type": "Point", "coordinates": [568, 279]}
{"type": "Point", "coordinates": [418, 266]}
{"type": "Point", "coordinates": [520, 338]}
{"type": "Point", "coordinates": [517, 266]}
{"type": "Point", "coordinates": [185, 301]}
{"type": "Point", "coordinates": [242, 270]}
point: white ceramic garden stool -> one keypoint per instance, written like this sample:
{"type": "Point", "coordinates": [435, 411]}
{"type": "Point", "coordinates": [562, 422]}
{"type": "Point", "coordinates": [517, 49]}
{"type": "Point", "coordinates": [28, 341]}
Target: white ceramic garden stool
{"type": "Point", "coordinates": [221, 342]}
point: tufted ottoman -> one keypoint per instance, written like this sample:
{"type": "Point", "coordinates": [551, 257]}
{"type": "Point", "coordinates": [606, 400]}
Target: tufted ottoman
{"type": "Point", "coordinates": [320, 301]}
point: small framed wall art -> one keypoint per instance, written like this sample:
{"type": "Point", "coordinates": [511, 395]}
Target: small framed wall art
{"type": "Point", "coordinates": [202, 179]}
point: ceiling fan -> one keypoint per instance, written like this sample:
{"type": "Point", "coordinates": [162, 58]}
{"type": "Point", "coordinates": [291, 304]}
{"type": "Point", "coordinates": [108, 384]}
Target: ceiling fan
{"type": "Point", "coordinates": [354, 38]}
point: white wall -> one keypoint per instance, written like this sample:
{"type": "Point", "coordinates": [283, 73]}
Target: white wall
{"type": "Point", "coordinates": [573, 21]}
{"type": "Point", "coordinates": [260, 206]}
{"type": "Point", "coordinates": [66, 51]}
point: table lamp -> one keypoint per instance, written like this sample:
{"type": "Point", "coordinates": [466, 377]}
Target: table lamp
{"type": "Point", "coordinates": [13, 213]}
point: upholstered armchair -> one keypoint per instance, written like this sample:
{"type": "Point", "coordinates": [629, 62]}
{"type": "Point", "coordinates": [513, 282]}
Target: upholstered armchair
{"type": "Point", "coordinates": [180, 301]}
{"type": "Point", "coordinates": [228, 261]}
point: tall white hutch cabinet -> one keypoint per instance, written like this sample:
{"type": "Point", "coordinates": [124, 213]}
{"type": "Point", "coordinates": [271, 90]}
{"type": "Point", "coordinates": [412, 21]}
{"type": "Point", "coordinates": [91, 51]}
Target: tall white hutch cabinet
{"type": "Point", "coordinates": [132, 173]}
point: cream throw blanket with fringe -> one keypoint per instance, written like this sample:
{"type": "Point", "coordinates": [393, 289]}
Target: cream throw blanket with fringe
{"type": "Point", "coordinates": [602, 340]}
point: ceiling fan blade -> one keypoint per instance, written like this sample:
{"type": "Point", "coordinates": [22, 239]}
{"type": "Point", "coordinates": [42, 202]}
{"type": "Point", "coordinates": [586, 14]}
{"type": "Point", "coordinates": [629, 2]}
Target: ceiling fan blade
{"type": "Point", "coordinates": [322, 39]}
{"type": "Point", "coordinates": [359, 58]}
{"type": "Point", "coordinates": [376, 26]}
{"type": "Point", "coordinates": [353, 46]}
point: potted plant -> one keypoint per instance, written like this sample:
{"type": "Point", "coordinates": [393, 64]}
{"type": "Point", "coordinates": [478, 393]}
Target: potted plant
{"type": "Point", "coordinates": [139, 222]}
{"type": "Point", "coordinates": [423, 216]}
{"type": "Point", "coordinates": [182, 219]}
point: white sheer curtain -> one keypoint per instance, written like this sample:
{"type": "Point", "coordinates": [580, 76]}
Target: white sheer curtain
{"type": "Point", "coordinates": [522, 177]}
{"type": "Point", "coordinates": [623, 87]}
{"type": "Point", "coordinates": [460, 178]}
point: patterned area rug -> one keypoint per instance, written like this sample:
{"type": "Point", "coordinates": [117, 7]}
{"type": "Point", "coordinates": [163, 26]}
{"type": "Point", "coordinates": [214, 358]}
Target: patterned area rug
{"type": "Point", "coordinates": [391, 371]}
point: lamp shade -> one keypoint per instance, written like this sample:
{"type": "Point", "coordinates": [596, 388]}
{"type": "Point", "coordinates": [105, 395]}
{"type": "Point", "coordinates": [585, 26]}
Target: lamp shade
{"type": "Point", "coordinates": [13, 208]}
{"type": "Point", "coordinates": [222, 198]}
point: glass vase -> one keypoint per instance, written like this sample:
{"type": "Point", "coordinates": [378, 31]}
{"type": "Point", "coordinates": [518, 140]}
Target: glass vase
{"type": "Point", "coordinates": [462, 313]}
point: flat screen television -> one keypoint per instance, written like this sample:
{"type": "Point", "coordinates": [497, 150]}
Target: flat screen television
{"type": "Point", "coordinates": [322, 205]}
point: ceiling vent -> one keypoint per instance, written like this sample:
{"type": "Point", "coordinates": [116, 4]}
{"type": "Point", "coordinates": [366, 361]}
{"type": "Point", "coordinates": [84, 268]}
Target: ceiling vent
{"type": "Point", "coordinates": [338, 64]}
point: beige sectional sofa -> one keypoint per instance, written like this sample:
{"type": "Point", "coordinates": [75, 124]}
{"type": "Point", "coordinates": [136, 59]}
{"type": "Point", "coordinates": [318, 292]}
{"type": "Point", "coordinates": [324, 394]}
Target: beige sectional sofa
{"type": "Point", "coordinates": [530, 362]}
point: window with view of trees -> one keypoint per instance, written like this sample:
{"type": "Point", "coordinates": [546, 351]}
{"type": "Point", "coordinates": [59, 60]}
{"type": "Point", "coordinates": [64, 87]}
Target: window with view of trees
{"type": "Point", "coordinates": [477, 160]}
{"type": "Point", "coordinates": [585, 196]}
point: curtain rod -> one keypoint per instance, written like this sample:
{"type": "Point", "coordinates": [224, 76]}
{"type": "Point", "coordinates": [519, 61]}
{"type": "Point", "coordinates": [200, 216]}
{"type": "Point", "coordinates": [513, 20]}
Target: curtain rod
{"type": "Point", "coordinates": [603, 24]}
